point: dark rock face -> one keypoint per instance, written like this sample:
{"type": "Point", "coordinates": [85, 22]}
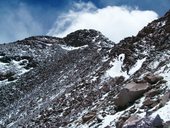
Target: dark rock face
{"type": "Point", "coordinates": [136, 122]}
{"type": "Point", "coordinates": [66, 82]}
{"type": "Point", "coordinates": [152, 79]}
{"type": "Point", "coordinates": [157, 122]}
{"type": "Point", "coordinates": [131, 122]}
{"type": "Point", "coordinates": [53, 71]}
{"type": "Point", "coordinates": [130, 93]}
{"type": "Point", "coordinates": [85, 37]}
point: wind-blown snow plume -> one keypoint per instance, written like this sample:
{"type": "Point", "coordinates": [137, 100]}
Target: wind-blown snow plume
{"type": "Point", "coordinates": [113, 21]}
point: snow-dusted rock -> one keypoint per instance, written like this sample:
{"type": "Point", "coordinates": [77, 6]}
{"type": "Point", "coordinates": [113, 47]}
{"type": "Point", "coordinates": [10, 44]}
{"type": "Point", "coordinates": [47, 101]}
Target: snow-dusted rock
{"type": "Point", "coordinates": [60, 81]}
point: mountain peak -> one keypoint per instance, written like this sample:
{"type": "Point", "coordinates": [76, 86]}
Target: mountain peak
{"type": "Point", "coordinates": [167, 14]}
{"type": "Point", "coordinates": [85, 80]}
{"type": "Point", "coordinates": [85, 37]}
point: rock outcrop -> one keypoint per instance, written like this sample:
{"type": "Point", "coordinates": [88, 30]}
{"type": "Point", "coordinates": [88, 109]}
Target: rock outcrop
{"type": "Point", "coordinates": [130, 93]}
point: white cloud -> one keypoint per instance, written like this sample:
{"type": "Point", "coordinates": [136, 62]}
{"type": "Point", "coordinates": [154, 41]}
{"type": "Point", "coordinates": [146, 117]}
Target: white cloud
{"type": "Point", "coordinates": [114, 22]}
{"type": "Point", "coordinates": [18, 24]}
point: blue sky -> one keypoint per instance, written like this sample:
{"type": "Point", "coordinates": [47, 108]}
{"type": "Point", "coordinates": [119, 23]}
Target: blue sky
{"type": "Point", "coordinates": [23, 18]}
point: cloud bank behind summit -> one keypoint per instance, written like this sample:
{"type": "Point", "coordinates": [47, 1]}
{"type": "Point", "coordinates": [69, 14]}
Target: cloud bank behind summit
{"type": "Point", "coordinates": [115, 22]}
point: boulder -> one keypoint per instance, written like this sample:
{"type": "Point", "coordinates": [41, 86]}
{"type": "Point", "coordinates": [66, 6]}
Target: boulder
{"type": "Point", "coordinates": [99, 118]}
{"type": "Point", "coordinates": [157, 122]}
{"type": "Point", "coordinates": [130, 93]}
{"type": "Point", "coordinates": [132, 121]}
{"type": "Point", "coordinates": [88, 116]}
{"type": "Point", "coordinates": [136, 121]}
{"type": "Point", "coordinates": [153, 79]}
{"type": "Point", "coordinates": [120, 123]}
{"type": "Point", "coordinates": [105, 88]}
{"type": "Point", "coordinates": [150, 103]}
{"type": "Point", "coordinates": [122, 99]}
{"type": "Point", "coordinates": [153, 92]}
{"type": "Point", "coordinates": [147, 102]}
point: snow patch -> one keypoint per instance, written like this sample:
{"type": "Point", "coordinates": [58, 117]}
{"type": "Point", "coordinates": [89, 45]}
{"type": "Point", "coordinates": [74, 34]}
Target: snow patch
{"type": "Point", "coordinates": [155, 64]}
{"type": "Point", "coordinates": [161, 24]}
{"type": "Point", "coordinates": [14, 67]}
{"type": "Point", "coordinates": [116, 70]}
{"type": "Point", "coordinates": [137, 66]}
{"type": "Point", "coordinates": [3, 82]}
{"type": "Point", "coordinates": [94, 78]}
{"type": "Point", "coordinates": [70, 48]}
{"type": "Point", "coordinates": [163, 112]}
{"type": "Point", "coordinates": [111, 120]}
{"type": "Point", "coordinates": [19, 69]}
{"type": "Point", "coordinates": [105, 58]}
{"type": "Point", "coordinates": [49, 44]}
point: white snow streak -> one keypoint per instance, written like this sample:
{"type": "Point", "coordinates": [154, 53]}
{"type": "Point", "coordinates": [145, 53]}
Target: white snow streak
{"type": "Point", "coordinates": [111, 119]}
{"type": "Point", "coordinates": [163, 112]}
{"type": "Point", "coordinates": [69, 48]}
{"type": "Point", "coordinates": [116, 70]}
{"type": "Point", "coordinates": [137, 66]}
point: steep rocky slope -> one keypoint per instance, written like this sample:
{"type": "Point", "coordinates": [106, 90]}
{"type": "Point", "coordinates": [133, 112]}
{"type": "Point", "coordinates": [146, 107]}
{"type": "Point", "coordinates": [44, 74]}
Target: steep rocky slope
{"type": "Point", "coordinates": [85, 80]}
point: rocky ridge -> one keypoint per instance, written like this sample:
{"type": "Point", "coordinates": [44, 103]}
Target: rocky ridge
{"type": "Point", "coordinates": [86, 80]}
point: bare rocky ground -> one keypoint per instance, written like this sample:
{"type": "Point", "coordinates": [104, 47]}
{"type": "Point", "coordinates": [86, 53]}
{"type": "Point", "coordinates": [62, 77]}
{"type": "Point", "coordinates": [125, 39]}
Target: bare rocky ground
{"type": "Point", "coordinates": [86, 80]}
